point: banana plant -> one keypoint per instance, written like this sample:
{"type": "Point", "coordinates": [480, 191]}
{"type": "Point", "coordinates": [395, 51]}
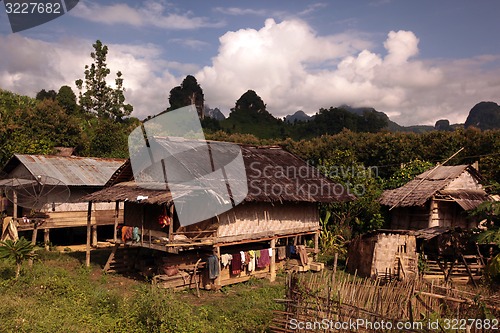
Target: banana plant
{"type": "Point", "coordinates": [18, 251]}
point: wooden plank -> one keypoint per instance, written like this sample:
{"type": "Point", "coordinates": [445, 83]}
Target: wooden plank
{"type": "Point", "coordinates": [116, 220]}
{"type": "Point", "coordinates": [111, 257]}
{"type": "Point", "coordinates": [46, 238]}
{"type": "Point", "coordinates": [272, 278]}
{"type": "Point", "coordinates": [260, 237]}
{"type": "Point", "coordinates": [89, 230]}
{"type": "Point", "coordinates": [243, 278]}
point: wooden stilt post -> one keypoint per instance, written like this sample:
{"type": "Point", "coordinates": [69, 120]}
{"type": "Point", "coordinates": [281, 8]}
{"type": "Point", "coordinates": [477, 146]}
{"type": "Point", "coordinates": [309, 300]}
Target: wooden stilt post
{"type": "Point", "coordinates": [89, 228]}
{"type": "Point", "coordinates": [14, 213]}
{"type": "Point", "coordinates": [94, 235]}
{"type": "Point", "coordinates": [46, 238]}
{"type": "Point", "coordinates": [117, 214]}
{"type": "Point", "coordinates": [33, 241]}
{"type": "Point", "coordinates": [171, 226]}
{"type": "Point", "coordinates": [316, 245]}
{"type": "Point", "coordinates": [143, 210]}
{"type": "Point", "coordinates": [273, 261]}
{"type": "Point", "coordinates": [217, 282]}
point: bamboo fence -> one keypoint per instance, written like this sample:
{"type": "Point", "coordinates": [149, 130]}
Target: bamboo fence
{"type": "Point", "coordinates": [327, 302]}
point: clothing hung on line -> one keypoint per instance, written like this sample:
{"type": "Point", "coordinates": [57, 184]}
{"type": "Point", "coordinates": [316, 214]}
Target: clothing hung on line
{"type": "Point", "coordinates": [127, 233]}
{"type": "Point", "coordinates": [225, 259]}
{"type": "Point", "coordinates": [251, 261]}
{"type": "Point", "coordinates": [264, 259]}
{"type": "Point", "coordinates": [236, 264]}
{"type": "Point", "coordinates": [281, 252]}
{"type": "Point", "coordinates": [213, 267]}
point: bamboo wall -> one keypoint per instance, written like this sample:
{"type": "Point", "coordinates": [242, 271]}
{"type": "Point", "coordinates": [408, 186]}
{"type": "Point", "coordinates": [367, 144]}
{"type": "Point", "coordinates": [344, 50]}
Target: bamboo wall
{"type": "Point", "coordinates": [380, 254]}
{"type": "Point", "coordinates": [410, 218]}
{"type": "Point", "coordinates": [258, 218]}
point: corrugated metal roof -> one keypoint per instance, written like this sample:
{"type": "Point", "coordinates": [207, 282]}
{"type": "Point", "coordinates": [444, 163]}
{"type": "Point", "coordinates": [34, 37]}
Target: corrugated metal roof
{"type": "Point", "coordinates": [71, 170]}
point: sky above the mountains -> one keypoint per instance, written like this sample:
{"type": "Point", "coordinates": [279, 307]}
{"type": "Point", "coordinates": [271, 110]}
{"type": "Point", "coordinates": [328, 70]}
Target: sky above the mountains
{"type": "Point", "coordinates": [417, 61]}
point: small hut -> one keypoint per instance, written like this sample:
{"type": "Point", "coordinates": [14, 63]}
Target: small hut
{"type": "Point", "coordinates": [71, 175]}
{"type": "Point", "coordinates": [384, 254]}
{"type": "Point", "coordinates": [439, 197]}
{"type": "Point", "coordinates": [271, 225]}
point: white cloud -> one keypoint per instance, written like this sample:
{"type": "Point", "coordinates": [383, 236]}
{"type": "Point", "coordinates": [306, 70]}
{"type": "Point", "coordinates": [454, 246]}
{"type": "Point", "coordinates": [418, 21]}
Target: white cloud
{"type": "Point", "coordinates": [236, 11]}
{"type": "Point", "coordinates": [194, 44]}
{"type": "Point", "coordinates": [288, 64]}
{"type": "Point", "coordinates": [152, 13]}
{"type": "Point", "coordinates": [30, 65]}
{"type": "Point", "coordinates": [285, 64]}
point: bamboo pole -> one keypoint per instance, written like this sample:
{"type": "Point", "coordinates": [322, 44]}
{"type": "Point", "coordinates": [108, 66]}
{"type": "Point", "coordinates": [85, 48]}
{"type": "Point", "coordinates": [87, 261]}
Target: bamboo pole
{"type": "Point", "coordinates": [272, 267]}
{"type": "Point", "coordinates": [46, 238]}
{"type": "Point", "coordinates": [217, 282]}
{"type": "Point", "coordinates": [171, 226]}
{"type": "Point", "coordinates": [117, 214]}
{"type": "Point", "coordinates": [94, 235]}
{"type": "Point", "coordinates": [89, 229]}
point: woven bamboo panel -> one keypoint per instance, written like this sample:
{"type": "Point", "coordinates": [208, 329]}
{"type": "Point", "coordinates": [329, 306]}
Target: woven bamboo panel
{"type": "Point", "coordinates": [252, 218]}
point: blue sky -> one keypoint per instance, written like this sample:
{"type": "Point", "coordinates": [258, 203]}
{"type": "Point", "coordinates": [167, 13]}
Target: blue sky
{"type": "Point", "coordinates": [418, 61]}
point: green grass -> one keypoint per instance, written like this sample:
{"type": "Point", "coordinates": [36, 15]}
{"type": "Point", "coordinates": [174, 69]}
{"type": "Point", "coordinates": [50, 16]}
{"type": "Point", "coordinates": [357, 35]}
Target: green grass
{"type": "Point", "coordinates": [58, 294]}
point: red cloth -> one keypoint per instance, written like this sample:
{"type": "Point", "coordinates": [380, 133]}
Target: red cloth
{"type": "Point", "coordinates": [264, 259]}
{"type": "Point", "coordinates": [127, 233]}
{"type": "Point", "coordinates": [236, 264]}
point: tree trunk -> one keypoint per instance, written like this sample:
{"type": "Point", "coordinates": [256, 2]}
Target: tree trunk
{"type": "Point", "coordinates": [18, 269]}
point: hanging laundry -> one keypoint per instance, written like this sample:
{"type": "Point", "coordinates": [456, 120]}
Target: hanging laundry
{"type": "Point", "coordinates": [127, 233]}
{"type": "Point", "coordinates": [236, 264]}
{"type": "Point", "coordinates": [251, 261]}
{"type": "Point", "coordinates": [242, 254]}
{"type": "Point", "coordinates": [225, 259]}
{"type": "Point", "coordinates": [247, 258]}
{"type": "Point", "coordinates": [290, 250]}
{"type": "Point", "coordinates": [213, 267]}
{"type": "Point", "coordinates": [136, 236]}
{"type": "Point", "coordinates": [281, 252]}
{"type": "Point", "coordinates": [264, 259]}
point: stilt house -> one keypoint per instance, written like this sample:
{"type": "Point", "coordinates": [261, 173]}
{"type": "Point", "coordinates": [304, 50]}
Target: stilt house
{"type": "Point", "coordinates": [278, 215]}
{"type": "Point", "coordinates": [75, 176]}
{"type": "Point", "coordinates": [439, 197]}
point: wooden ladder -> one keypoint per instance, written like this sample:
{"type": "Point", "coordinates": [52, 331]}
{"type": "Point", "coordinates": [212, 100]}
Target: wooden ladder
{"type": "Point", "coordinates": [122, 259]}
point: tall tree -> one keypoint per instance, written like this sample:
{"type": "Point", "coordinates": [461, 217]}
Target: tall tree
{"type": "Point", "coordinates": [43, 94]}
{"type": "Point", "coordinates": [250, 101]}
{"type": "Point", "coordinates": [188, 93]}
{"type": "Point", "coordinates": [66, 98]}
{"type": "Point", "coordinates": [98, 97]}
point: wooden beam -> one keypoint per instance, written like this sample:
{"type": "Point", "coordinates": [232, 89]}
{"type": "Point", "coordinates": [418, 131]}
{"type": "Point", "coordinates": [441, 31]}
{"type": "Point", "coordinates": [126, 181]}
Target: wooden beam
{"type": "Point", "coordinates": [316, 245]}
{"type": "Point", "coordinates": [117, 214]}
{"type": "Point", "coordinates": [89, 230]}
{"type": "Point", "coordinates": [46, 238]}
{"type": "Point", "coordinates": [217, 282]}
{"type": "Point", "coordinates": [264, 236]}
{"type": "Point", "coordinates": [272, 265]}
{"type": "Point", "coordinates": [171, 226]}
{"type": "Point", "coordinates": [14, 213]}
{"type": "Point", "coordinates": [94, 235]}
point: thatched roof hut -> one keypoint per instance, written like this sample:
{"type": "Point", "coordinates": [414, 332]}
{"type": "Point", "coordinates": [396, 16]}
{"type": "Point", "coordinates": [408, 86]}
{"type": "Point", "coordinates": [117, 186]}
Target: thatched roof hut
{"type": "Point", "coordinates": [272, 174]}
{"type": "Point", "coordinates": [279, 209]}
{"type": "Point", "coordinates": [437, 197]}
